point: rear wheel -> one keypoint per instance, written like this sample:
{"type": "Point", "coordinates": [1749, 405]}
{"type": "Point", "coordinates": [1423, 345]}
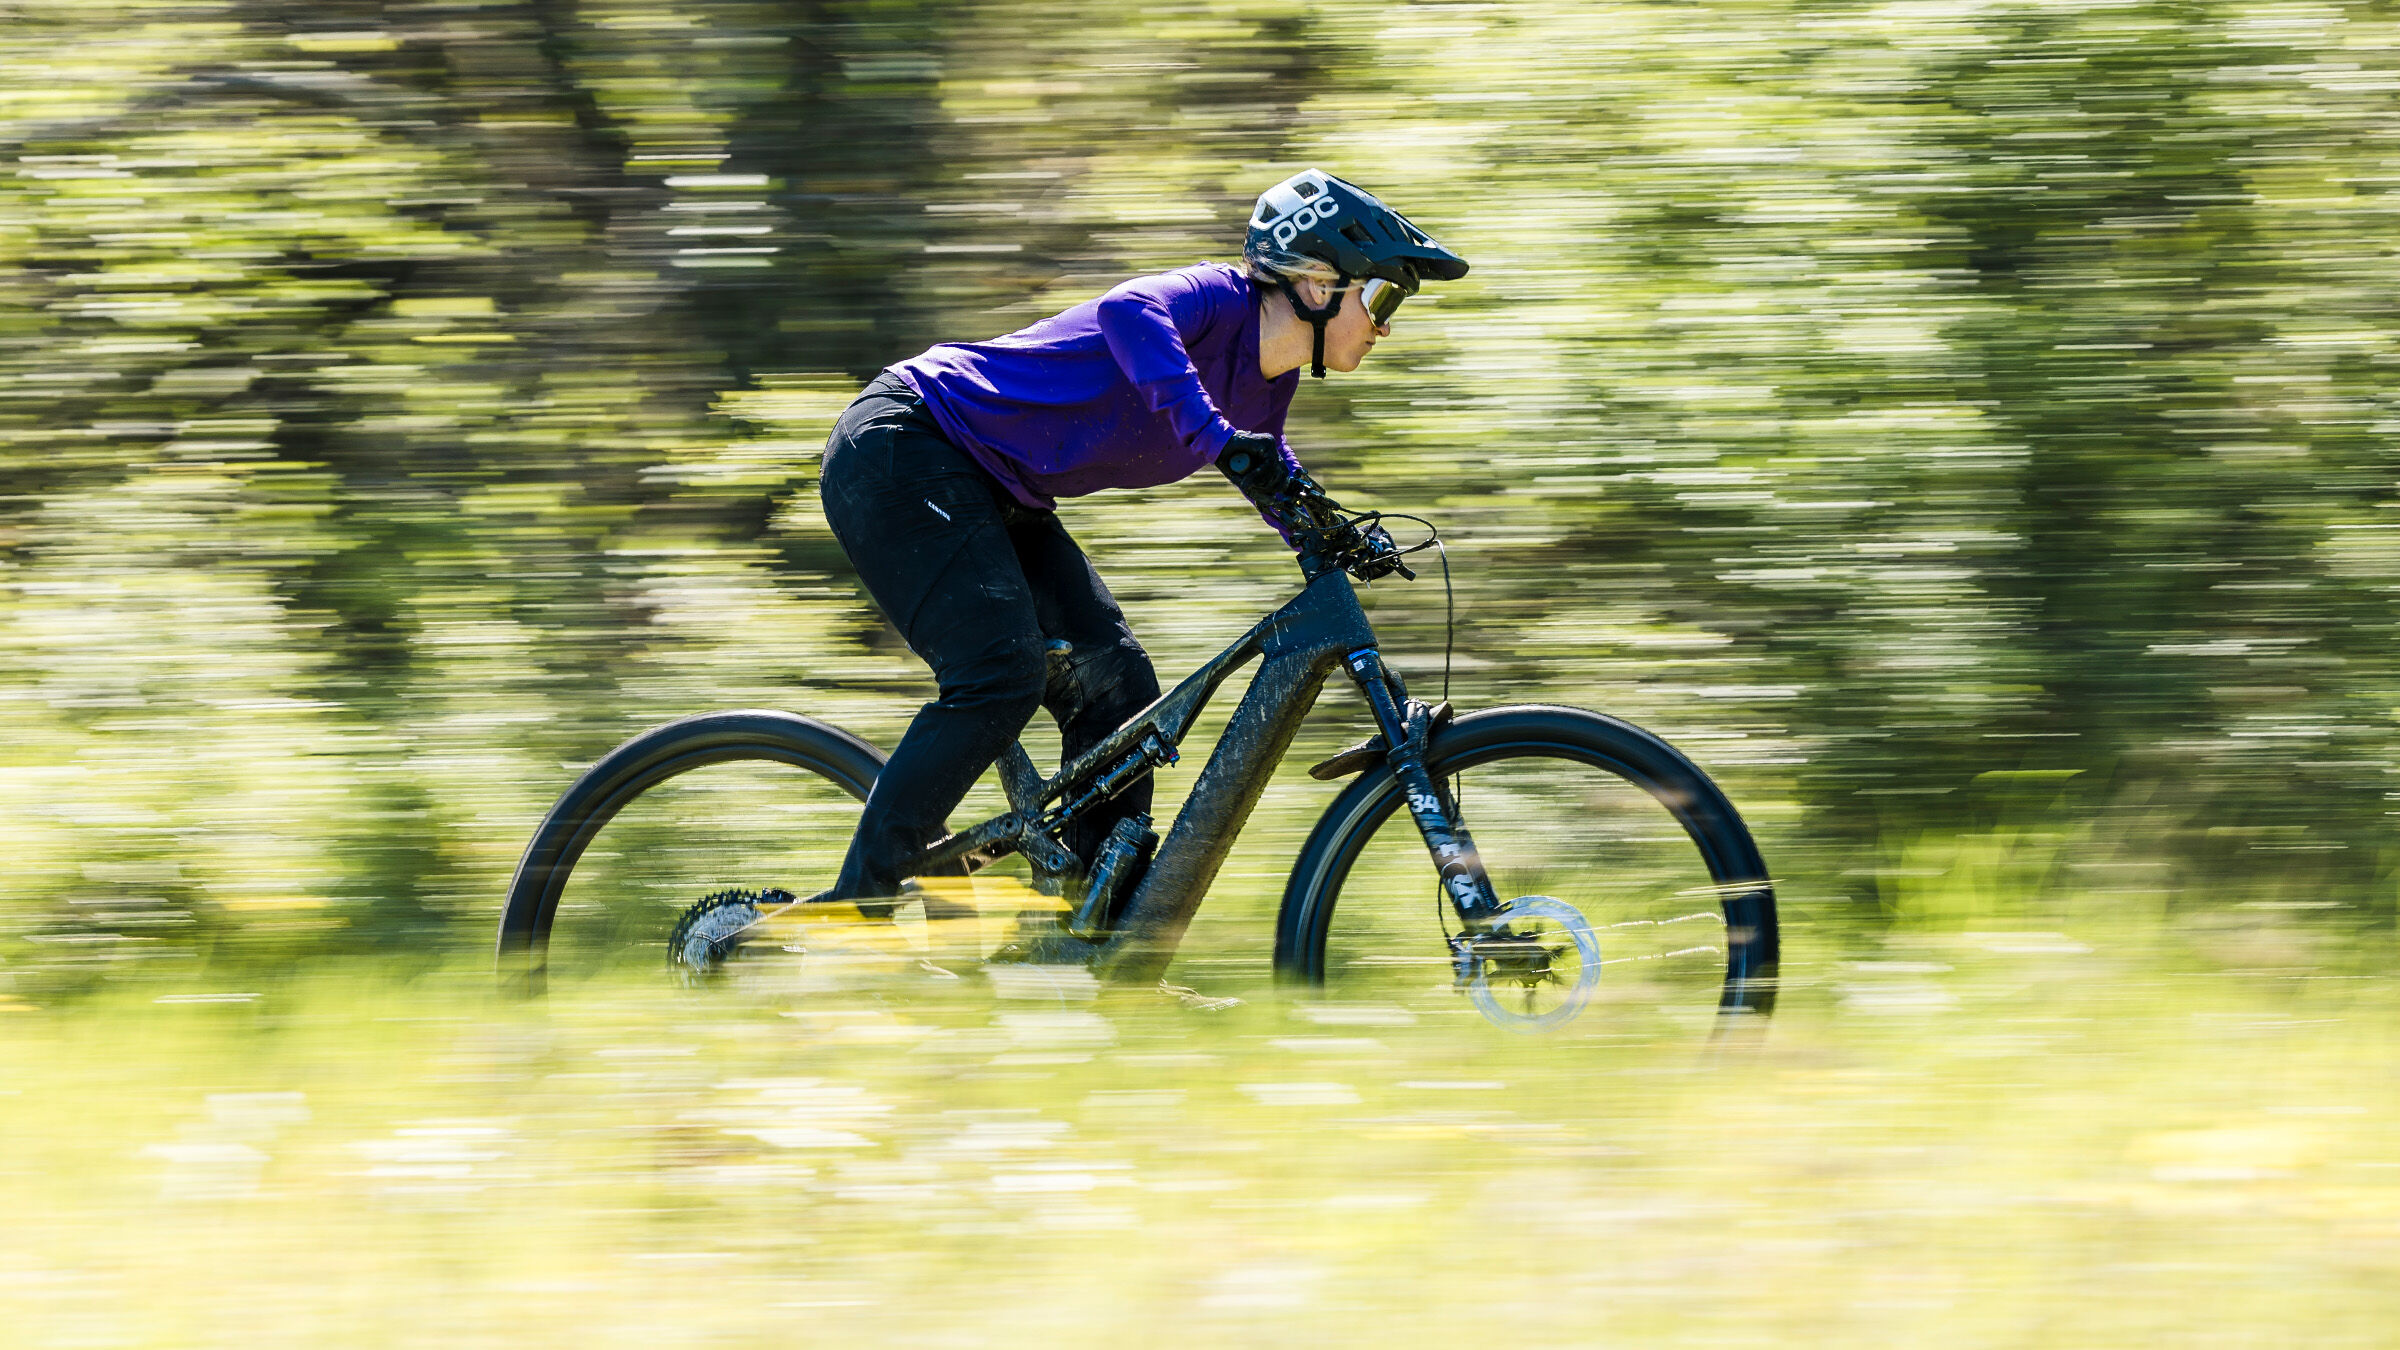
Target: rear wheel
{"type": "Point", "coordinates": [1646, 904]}
{"type": "Point", "coordinates": [755, 798]}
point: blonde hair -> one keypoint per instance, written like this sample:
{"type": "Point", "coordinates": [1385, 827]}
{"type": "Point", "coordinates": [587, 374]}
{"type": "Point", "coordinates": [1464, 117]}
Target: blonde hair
{"type": "Point", "coordinates": [1272, 266]}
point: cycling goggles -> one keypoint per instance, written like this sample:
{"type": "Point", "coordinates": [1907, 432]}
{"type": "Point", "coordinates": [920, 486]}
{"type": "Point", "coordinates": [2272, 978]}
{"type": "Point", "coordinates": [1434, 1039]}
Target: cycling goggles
{"type": "Point", "coordinates": [1382, 299]}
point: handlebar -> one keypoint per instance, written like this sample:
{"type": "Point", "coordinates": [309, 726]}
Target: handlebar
{"type": "Point", "coordinates": [1376, 556]}
{"type": "Point", "coordinates": [1365, 553]}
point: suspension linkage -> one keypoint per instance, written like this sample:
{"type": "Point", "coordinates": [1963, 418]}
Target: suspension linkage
{"type": "Point", "coordinates": [1037, 836]}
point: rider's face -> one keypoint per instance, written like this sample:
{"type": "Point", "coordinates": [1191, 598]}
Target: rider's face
{"type": "Point", "coordinates": [1351, 333]}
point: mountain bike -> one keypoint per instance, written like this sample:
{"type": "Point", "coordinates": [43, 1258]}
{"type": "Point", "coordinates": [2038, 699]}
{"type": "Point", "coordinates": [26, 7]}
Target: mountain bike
{"type": "Point", "coordinates": [1540, 860]}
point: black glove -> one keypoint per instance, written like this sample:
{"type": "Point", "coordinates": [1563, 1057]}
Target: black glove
{"type": "Point", "coordinates": [1319, 532]}
{"type": "Point", "coordinates": [1254, 463]}
{"type": "Point", "coordinates": [1285, 495]}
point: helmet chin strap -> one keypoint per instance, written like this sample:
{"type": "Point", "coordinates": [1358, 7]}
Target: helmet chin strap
{"type": "Point", "coordinates": [1317, 316]}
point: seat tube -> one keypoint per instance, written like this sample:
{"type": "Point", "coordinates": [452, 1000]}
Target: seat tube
{"type": "Point", "coordinates": [1407, 726]}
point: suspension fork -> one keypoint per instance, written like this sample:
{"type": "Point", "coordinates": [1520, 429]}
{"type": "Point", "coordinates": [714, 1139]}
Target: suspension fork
{"type": "Point", "coordinates": [1407, 729]}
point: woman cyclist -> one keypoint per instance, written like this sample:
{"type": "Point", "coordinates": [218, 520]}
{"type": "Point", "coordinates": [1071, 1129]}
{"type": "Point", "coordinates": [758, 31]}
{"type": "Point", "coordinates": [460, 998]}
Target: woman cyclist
{"type": "Point", "coordinates": [941, 482]}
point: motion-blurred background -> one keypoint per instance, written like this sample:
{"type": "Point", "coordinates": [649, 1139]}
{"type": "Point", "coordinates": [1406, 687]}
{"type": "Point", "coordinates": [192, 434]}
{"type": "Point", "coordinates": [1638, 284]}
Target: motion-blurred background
{"type": "Point", "coordinates": [1967, 429]}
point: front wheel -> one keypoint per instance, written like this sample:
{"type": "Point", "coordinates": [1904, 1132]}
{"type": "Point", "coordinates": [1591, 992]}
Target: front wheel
{"type": "Point", "coordinates": [1573, 814]}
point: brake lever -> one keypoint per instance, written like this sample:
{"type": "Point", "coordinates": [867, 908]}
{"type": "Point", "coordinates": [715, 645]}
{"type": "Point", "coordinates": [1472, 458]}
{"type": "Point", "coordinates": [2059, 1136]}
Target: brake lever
{"type": "Point", "coordinates": [1384, 557]}
{"type": "Point", "coordinates": [1380, 565]}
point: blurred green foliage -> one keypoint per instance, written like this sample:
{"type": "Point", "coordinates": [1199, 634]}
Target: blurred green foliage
{"type": "Point", "coordinates": [1947, 421]}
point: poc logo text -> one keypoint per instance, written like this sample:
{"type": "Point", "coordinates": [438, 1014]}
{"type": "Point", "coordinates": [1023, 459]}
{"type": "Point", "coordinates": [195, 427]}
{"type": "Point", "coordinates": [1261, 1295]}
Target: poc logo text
{"type": "Point", "coordinates": [1306, 217]}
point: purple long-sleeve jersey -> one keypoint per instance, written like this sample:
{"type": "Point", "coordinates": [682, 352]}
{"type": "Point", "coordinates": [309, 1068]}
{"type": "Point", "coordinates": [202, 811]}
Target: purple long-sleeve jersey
{"type": "Point", "coordinates": [1140, 387]}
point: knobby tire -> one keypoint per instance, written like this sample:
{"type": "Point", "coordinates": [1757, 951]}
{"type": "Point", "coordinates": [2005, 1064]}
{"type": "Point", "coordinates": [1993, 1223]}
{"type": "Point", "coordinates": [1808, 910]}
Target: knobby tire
{"type": "Point", "coordinates": [636, 767]}
{"type": "Point", "coordinates": [1696, 804]}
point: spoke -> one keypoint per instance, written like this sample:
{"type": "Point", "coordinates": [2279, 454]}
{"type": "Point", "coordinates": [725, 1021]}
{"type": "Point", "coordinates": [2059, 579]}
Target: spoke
{"type": "Point", "coordinates": [1661, 956]}
{"type": "Point", "coordinates": [1661, 923]}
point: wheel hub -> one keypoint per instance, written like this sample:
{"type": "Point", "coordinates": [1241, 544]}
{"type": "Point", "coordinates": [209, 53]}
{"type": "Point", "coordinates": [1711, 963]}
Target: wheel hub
{"type": "Point", "coordinates": [1535, 969]}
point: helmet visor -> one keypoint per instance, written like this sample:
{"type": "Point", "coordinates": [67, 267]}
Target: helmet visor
{"type": "Point", "coordinates": [1382, 298]}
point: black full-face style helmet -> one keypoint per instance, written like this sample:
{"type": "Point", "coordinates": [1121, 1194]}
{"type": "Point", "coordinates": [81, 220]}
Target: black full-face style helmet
{"type": "Point", "coordinates": [1313, 214]}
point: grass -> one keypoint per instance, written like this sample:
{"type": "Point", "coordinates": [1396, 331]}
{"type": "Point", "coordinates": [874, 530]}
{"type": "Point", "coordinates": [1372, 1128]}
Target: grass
{"type": "Point", "coordinates": [2104, 1136]}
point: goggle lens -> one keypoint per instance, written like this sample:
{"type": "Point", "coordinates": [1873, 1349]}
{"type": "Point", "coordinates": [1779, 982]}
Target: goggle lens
{"type": "Point", "coordinates": [1382, 299]}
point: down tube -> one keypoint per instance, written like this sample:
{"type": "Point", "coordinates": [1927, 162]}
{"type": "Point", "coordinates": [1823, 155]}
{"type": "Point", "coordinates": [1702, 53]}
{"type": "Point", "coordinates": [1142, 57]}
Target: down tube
{"type": "Point", "coordinates": [1255, 739]}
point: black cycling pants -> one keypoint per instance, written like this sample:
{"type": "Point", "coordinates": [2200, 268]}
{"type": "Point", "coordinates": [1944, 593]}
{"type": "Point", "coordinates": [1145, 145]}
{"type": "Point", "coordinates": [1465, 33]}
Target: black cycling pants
{"type": "Point", "coordinates": [979, 586]}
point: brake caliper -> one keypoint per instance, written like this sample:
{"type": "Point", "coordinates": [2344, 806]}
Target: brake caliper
{"type": "Point", "coordinates": [1498, 957]}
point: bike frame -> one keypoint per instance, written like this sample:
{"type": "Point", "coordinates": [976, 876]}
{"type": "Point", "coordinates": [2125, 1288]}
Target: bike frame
{"type": "Point", "coordinates": [1299, 646]}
